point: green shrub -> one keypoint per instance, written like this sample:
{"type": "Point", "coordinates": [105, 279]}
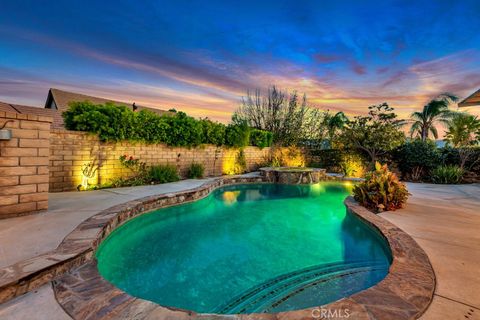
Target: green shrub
{"type": "Point", "coordinates": [381, 190]}
{"type": "Point", "coordinates": [151, 128]}
{"type": "Point", "coordinates": [260, 138]}
{"type": "Point", "coordinates": [134, 165]}
{"type": "Point", "coordinates": [163, 173]}
{"type": "Point", "coordinates": [327, 159]}
{"type": "Point", "coordinates": [416, 159]}
{"type": "Point", "coordinates": [287, 157]}
{"type": "Point", "coordinates": [240, 162]}
{"type": "Point", "coordinates": [347, 162]}
{"type": "Point", "coordinates": [236, 163]}
{"type": "Point", "coordinates": [117, 123]}
{"type": "Point", "coordinates": [353, 165]}
{"type": "Point", "coordinates": [184, 131]}
{"type": "Point", "coordinates": [126, 182]}
{"type": "Point", "coordinates": [449, 155]}
{"type": "Point", "coordinates": [108, 121]}
{"type": "Point", "coordinates": [213, 132]}
{"type": "Point", "coordinates": [138, 169]}
{"type": "Point", "coordinates": [195, 171]}
{"type": "Point", "coordinates": [448, 174]}
{"type": "Point", "coordinates": [237, 135]}
{"type": "Point", "coordinates": [237, 166]}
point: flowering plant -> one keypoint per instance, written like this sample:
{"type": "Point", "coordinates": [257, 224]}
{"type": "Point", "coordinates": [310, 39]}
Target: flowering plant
{"type": "Point", "coordinates": [133, 164]}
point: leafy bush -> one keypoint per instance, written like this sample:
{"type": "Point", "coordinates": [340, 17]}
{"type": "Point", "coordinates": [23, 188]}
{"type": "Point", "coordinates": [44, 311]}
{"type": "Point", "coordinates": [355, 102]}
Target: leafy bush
{"type": "Point", "coordinates": [108, 121]}
{"type": "Point", "coordinates": [471, 163]}
{"type": "Point", "coordinates": [416, 159]}
{"type": "Point", "coordinates": [449, 155]}
{"type": "Point", "coordinates": [381, 190]}
{"type": "Point", "coordinates": [135, 165]}
{"type": "Point", "coordinates": [184, 131]}
{"type": "Point", "coordinates": [149, 127]}
{"type": "Point", "coordinates": [353, 165]}
{"type": "Point", "coordinates": [163, 173]}
{"type": "Point", "coordinates": [448, 174]}
{"type": "Point", "coordinates": [261, 138]}
{"type": "Point", "coordinates": [118, 123]}
{"type": "Point", "coordinates": [125, 182]}
{"type": "Point", "coordinates": [213, 132]}
{"type": "Point", "coordinates": [142, 174]}
{"type": "Point", "coordinates": [237, 135]}
{"type": "Point", "coordinates": [347, 162]}
{"type": "Point", "coordinates": [195, 171]}
{"type": "Point", "coordinates": [236, 163]}
{"type": "Point", "coordinates": [240, 162]}
{"type": "Point", "coordinates": [288, 157]}
{"type": "Point", "coordinates": [329, 159]}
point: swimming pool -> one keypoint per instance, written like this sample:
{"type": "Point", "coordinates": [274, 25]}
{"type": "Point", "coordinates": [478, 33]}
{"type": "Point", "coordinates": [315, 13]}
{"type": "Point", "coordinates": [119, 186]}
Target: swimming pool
{"type": "Point", "coordinates": [247, 248]}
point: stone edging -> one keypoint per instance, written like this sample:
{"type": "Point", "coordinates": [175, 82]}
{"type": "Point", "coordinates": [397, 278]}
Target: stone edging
{"type": "Point", "coordinates": [78, 246]}
{"type": "Point", "coordinates": [289, 175]}
{"type": "Point", "coordinates": [405, 293]}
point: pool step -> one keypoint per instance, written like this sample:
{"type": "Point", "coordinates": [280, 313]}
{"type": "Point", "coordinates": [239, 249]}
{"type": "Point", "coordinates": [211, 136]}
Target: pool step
{"type": "Point", "coordinates": [267, 296]}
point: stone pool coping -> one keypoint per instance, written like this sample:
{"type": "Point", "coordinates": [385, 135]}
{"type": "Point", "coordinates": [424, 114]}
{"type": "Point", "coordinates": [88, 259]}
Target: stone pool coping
{"type": "Point", "coordinates": [78, 246]}
{"type": "Point", "coordinates": [405, 293]}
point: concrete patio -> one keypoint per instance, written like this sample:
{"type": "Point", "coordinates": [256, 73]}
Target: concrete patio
{"type": "Point", "coordinates": [444, 220]}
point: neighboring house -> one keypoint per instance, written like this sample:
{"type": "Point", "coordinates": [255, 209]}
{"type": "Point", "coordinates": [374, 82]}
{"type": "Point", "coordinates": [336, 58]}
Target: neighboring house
{"type": "Point", "coordinates": [471, 101]}
{"type": "Point", "coordinates": [16, 108]}
{"type": "Point", "coordinates": [59, 100]}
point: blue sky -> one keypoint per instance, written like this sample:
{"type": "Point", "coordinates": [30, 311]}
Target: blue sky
{"type": "Point", "coordinates": [202, 56]}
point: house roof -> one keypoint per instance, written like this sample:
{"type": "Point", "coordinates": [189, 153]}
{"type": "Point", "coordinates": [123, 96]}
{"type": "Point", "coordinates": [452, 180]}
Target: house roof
{"type": "Point", "coordinates": [61, 100]}
{"type": "Point", "coordinates": [16, 108]}
{"type": "Point", "coordinates": [472, 100]}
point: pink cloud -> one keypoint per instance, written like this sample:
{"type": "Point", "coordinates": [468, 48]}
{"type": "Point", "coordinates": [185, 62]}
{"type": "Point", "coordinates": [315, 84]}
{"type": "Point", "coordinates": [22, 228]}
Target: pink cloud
{"type": "Point", "coordinates": [357, 67]}
{"type": "Point", "coordinates": [324, 58]}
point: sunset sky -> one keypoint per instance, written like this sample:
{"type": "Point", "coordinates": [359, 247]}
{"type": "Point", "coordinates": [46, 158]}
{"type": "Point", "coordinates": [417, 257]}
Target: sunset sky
{"type": "Point", "coordinates": [202, 56]}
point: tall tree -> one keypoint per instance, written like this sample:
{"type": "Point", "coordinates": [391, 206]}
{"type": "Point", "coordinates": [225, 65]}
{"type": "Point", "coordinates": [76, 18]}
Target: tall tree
{"type": "Point", "coordinates": [375, 134]}
{"type": "Point", "coordinates": [463, 133]}
{"type": "Point", "coordinates": [463, 130]}
{"type": "Point", "coordinates": [335, 123]}
{"type": "Point", "coordinates": [435, 111]}
{"type": "Point", "coordinates": [282, 113]}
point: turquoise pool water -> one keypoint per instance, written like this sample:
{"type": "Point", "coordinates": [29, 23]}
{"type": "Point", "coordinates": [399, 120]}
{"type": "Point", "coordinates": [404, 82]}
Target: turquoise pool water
{"type": "Point", "coordinates": [247, 248]}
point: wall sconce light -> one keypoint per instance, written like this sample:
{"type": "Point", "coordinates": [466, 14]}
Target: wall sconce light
{"type": "Point", "coordinates": [5, 134]}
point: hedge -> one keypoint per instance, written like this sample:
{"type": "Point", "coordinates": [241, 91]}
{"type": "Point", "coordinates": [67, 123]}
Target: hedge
{"type": "Point", "coordinates": [261, 138]}
{"type": "Point", "coordinates": [119, 123]}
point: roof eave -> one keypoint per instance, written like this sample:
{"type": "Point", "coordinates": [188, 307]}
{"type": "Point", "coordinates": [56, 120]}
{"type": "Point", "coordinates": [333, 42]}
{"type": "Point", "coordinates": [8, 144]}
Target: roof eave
{"type": "Point", "coordinates": [48, 102]}
{"type": "Point", "coordinates": [468, 104]}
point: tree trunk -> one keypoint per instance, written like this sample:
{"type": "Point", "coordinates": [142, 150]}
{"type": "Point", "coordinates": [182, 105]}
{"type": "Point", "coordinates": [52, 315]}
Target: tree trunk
{"type": "Point", "coordinates": [424, 134]}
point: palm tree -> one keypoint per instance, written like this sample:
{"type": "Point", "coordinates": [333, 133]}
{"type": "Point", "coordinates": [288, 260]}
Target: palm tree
{"type": "Point", "coordinates": [335, 123]}
{"type": "Point", "coordinates": [463, 133]}
{"type": "Point", "coordinates": [463, 130]}
{"type": "Point", "coordinates": [435, 111]}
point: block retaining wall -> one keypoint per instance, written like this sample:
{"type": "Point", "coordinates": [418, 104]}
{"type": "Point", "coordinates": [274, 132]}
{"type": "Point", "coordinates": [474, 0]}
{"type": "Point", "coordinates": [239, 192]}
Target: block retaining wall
{"type": "Point", "coordinates": [70, 150]}
{"type": "Point", "coordinates": [24, 163]}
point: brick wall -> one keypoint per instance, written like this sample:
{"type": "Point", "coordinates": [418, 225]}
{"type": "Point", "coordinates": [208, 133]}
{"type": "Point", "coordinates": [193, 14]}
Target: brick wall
{"type": "Point", "coordinates": [70, 150]}
{"type": "Point", "coordinates": [24, 164]}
